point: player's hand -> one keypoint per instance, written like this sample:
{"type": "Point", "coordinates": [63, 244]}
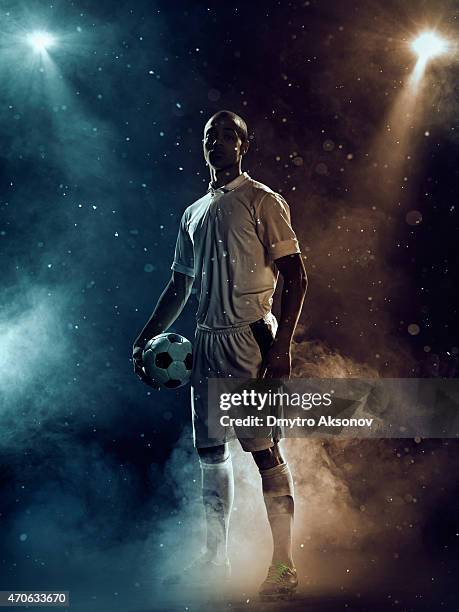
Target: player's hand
{"type": "Point", "coordinates": [278, 362]}
{"type": "Point", "coordinates": [139, 369]}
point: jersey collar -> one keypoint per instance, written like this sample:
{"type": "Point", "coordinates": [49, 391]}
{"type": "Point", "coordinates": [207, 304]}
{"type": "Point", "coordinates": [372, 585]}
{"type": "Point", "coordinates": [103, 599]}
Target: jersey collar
{"type": "Point", "coordinates": [229, 186]}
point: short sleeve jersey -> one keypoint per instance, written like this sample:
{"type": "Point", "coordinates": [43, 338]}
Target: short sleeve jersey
{"type": "Point", "coordinates": [228, 241]}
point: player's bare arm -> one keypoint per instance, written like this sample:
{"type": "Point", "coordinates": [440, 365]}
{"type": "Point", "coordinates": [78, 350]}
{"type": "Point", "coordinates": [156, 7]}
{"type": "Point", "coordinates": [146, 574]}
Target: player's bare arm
{"type": "Point", "coordinates": [169, 306]}
{"type": "Point", "coordinates": [278, 359]}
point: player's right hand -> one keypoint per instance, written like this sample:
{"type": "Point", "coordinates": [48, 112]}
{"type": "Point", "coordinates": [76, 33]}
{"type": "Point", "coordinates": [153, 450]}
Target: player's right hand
{"type": "Point", "coordinates": [139, 369]}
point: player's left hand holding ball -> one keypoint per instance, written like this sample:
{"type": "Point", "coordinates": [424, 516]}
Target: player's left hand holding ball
{"type": "Point", "coordinates": [165, 361]}
{"type": "Point", "coordinates": [137, 360]}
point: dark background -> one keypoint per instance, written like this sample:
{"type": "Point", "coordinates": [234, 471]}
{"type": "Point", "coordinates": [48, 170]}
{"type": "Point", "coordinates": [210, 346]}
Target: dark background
{"type": "Point", "coordinates": [100, 154]}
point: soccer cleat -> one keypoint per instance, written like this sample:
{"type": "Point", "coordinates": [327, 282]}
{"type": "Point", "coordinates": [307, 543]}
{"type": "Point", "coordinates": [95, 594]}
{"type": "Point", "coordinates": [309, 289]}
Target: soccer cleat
{"type": "Point", "coordinates": [202, 572]}
{"type": "Point", "coordinates": [280, 583]}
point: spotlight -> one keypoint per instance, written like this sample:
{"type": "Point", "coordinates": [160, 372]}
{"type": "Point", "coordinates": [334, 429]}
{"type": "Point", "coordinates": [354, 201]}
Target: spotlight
{"type": "Point", "coordinates": [41, 41]}
{"type": "Point", "coordinates": [428, 45]}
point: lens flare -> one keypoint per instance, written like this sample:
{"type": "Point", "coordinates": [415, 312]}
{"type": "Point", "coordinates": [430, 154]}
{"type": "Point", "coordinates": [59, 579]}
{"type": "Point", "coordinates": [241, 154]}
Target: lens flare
{"type": "Point", "coordinates": [428, 45]}
{"type": "Point", "coordinates": [41, 41]}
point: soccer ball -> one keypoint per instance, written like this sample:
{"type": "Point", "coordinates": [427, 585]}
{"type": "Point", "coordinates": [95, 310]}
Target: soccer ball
{"type": "Point", "coordinates": [168, 359]}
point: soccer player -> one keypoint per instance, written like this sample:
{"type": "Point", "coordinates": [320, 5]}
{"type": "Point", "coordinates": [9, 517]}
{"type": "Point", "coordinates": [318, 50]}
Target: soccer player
{"type": "Point", "coordinates": [232, 243]}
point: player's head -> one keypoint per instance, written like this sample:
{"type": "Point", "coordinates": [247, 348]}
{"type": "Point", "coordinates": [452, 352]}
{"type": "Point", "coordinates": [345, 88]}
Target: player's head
{"type": "Point", "coordinates": [225, 140]}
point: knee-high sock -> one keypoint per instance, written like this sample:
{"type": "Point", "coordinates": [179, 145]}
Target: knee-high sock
{"type": "Point", "coordinates": [277, 486]}
{"type": "Point", "coordinates": [217, 496]}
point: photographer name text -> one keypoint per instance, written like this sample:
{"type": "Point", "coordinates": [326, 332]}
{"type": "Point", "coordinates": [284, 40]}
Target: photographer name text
{"type": "Point", "coordinates": [270, 420]}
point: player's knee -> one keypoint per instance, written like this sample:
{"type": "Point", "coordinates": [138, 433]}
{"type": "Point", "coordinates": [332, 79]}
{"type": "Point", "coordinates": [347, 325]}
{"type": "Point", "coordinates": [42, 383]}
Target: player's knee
{"type": "Point", "coordinates": [268, 457]}
{"type": "Point", "coordinates": [213, 454]}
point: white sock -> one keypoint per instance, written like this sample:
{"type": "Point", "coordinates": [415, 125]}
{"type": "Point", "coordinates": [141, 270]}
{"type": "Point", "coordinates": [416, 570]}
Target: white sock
{"type": "Point", "coordinates": [217, 496]}
{"type": "Point", "coordinates": [277, 486]}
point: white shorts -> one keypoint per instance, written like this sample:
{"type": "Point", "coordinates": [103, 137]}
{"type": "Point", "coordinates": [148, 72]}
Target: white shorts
{"type": "Point", "coordinates": [236, 352]}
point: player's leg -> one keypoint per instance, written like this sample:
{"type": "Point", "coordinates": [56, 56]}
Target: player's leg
{"type": "Point", "coordinates": [212, 568]}
{"type": "Point", "coordinates": [278, 496]}
{"type": "Point", "coordinates": [214, 455]}
{"type": "Point", "coordinates": [277, 485]}
{"type": "Point", "coordinates": [250, 350]}
{"type": "Point", "coordinates": [275, 474]}
{"type": "Point", "coordinates": [217, 497]}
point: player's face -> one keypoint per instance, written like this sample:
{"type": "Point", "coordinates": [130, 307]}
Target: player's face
{"type": "Point", "coordinates": [222, 144]}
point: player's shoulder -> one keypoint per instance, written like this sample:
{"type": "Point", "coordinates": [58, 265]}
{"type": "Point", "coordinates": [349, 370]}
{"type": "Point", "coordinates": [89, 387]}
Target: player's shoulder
{"type": "Point", "coordinates": [195, 207]}
{"type": "Point", "coordinates": [260, 192]}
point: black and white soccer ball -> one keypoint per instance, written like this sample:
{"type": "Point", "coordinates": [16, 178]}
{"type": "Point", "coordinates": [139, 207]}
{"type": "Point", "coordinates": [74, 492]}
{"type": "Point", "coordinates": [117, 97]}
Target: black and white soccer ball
{"type": "Point", "coordinates": [168, 359]}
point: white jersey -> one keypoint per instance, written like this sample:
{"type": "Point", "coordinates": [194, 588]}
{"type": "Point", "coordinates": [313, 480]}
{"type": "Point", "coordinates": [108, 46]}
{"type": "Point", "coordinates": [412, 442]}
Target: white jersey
{"type": "Point", "coordinates": [228, 241]}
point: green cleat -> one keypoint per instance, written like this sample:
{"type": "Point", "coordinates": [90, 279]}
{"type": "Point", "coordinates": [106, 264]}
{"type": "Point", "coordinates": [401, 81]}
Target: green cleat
{"type": "Point", "coordinates": [281, 583]}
